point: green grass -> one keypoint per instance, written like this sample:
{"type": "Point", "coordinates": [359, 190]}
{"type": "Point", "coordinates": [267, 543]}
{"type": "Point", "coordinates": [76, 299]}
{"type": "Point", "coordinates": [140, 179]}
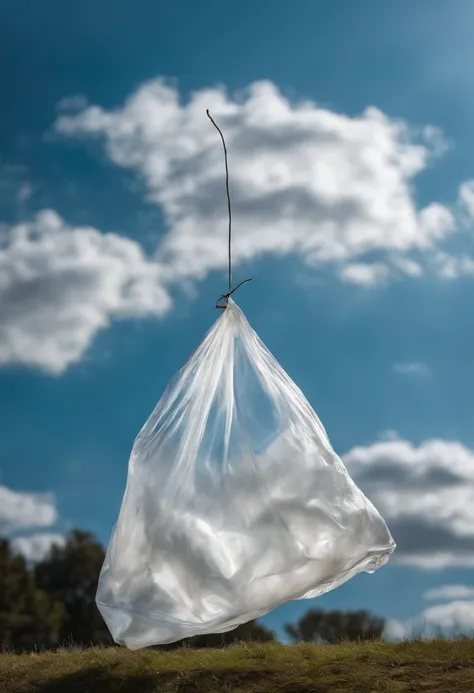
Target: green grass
{"type": "Point", "coordinates": [437, 666]}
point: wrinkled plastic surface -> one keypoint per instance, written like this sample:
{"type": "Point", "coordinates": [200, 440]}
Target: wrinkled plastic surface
{"type": "Point", "coordinates": [235, 501]}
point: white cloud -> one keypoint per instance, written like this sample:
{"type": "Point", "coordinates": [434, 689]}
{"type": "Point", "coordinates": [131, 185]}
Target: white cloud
{"type": "Point", "coordinates": [365, 274]}
{"type": "Point", "coordinates": [37, 546]}
{"type": "Point", "coordinates": [426, 495]}
{"type": "Point", "coordinates": [449, 620]}
{"type": "Point", "coordinates": [415, 368]}
{"type": "Point", "coordinates": [406, 265]}
{"type": "Point", "coordinates": [436, 140]}
{"type": "Point", "coordinates": [394, 630]}
{"type": "Point", "coordinates": [453, 266]}
{"type": "Point", "coordinates": [448, 592]}
{"type": "Point", "coordinates": [436, 221]}
{"type": "Point", "coordinates": [466, 197]}
{"type": "Point", "coordinates": [456, 617]}
{"type": "Point", "coordinates": [22, 510]}
{"type": "Point", "coordinates": [304, 179]}
{"type": "Point", "coordinates": [439, 560]}
{"type": "Point", "coordinates": [59, 285]}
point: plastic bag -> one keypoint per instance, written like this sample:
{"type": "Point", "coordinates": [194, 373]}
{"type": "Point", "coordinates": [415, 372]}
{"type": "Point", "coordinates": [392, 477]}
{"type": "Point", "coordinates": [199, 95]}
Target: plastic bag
{"type": "Point", "coordinates": [235, 501]}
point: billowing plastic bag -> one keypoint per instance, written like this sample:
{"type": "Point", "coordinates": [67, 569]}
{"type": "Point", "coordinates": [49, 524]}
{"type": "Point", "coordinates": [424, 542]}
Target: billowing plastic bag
{"type": "Point", "coordinates": [235, 501]}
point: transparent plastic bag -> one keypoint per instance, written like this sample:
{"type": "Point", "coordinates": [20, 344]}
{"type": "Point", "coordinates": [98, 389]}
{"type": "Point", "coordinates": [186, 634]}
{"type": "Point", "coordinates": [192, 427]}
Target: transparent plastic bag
{"type": "Point", "coordinates": [235, 501]}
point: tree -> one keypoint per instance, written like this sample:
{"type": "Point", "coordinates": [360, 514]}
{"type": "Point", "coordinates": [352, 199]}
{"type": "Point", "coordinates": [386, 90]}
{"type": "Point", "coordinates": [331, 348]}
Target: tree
{"type": "Point", "coordinates": [29, 618]}
{"type": "Point", "coordinates": [334, 626]}
{"type": "Point", "coordinates": [70, 575]}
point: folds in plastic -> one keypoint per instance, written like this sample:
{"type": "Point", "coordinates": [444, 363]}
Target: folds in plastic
{"type": "Point", "coordinates": [235, 501]}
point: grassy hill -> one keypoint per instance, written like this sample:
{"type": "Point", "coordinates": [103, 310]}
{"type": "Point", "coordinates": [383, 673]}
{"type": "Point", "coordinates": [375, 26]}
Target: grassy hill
{"type": "Point", "coordinates": [437, 666]}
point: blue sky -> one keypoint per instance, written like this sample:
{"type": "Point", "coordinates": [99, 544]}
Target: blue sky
{"type": "Point", "coordinates": [356, 226]}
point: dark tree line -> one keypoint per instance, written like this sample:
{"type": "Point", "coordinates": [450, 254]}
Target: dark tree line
{"type": "Point", "coordinates": [336, 626]}
{"type": "Point", "coordinates": [52, 603]}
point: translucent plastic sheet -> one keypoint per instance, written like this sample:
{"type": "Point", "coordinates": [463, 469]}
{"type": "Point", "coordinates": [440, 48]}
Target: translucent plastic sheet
{"type": "Point", "coordinates": [235, 501]}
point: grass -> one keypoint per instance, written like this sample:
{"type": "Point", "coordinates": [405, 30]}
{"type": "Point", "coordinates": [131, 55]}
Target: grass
{"type": "Point", "coordinates": [436, 666]}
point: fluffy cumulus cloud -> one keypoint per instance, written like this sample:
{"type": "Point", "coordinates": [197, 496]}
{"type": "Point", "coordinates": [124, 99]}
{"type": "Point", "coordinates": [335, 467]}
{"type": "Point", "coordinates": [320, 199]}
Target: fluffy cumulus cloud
{"type": "Point", "coordinates": [21, 510]}
{"type": "Point", "coordinates": [364, 273]}
{"type": "Point", "coordinates": [447, 592]}
{"type": "Point", "coordinates": [304, 179]}
{"type": "Point", "coordinates": [37, 546]}
{"type": "Point", "coordinates": [466, 197]}
{"type": "Point", "coordinates": [453, 266]}
{"type": "Point", "coordinates": [60, 285]}
{"type": "Point", "coordinates": [449, 620]}
{"type": "Point", "coordinates": [334, 189]}
{"type": "Point", "coordinates": [426, 495]}
{"type": "Point", "coordinates": [22, 517]}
